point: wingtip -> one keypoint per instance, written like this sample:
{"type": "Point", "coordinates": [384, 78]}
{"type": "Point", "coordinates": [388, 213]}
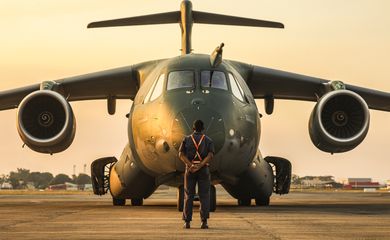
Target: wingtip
{"type": "Point", "coordinates": [280, 25]}
{"type": "Point", "coordinates": [90, 25]}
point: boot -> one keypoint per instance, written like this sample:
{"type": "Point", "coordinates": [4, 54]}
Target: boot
{"type": "Point", "coordinates": [187, 225]}
{"type": "Point", "coordinates": [204, 225]}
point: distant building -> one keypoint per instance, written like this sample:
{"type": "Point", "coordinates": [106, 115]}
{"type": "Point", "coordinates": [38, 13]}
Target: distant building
{"type": "Point", "coordinates": [318, 182]}
{"type": "Point", "coordinates": [6, 185]}
{"type": "Point", "coordinates": [361, 183]}
{"type": "Point", "coordinates": [65, 186]}
{"type": "Point", "coordinates": [85, 187]}
{"type": "Point", "coordinates": [88, 187]}
{"type": "Point", "coordinates": [388, 184]}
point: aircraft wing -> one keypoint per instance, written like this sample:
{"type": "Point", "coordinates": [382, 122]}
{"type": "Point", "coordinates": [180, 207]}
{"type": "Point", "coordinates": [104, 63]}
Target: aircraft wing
{"type": "Point", "coordinates": [119, 83]}
{"type": "Point", "coordinates": [11, 98]}
{"type": "Point", "coordinates": [266, 82]}
{"type": "Point", "coordinates": [375, 99]}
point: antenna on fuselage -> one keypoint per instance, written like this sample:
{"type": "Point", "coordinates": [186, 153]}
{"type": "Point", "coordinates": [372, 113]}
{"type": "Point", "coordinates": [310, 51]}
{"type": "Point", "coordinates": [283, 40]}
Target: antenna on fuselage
{"type": "Point", "coordinates": [216, 56]}
{"type": "Point", "coordinates": [186, 17]}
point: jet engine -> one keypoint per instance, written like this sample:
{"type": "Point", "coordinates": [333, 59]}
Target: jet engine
{"type": "Point", "coordinates": [45, 122]}
{"type": "Point", "coordinates": [339, 121]}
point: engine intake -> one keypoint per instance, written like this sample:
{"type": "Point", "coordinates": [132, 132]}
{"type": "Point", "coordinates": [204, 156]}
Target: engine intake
{"type": "Point", "coordinates": [46, 123]}
{"type": "Point", "coordinates": [339, 121]}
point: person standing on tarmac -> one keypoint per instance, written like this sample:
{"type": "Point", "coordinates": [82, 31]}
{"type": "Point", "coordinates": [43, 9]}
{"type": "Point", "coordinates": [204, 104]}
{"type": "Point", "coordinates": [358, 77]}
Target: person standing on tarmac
{"type": "Point", "coordinates": [196, 151]}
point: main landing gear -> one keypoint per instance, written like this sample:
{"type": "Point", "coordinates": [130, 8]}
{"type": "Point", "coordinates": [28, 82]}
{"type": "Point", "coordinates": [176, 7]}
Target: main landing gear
{"type": "Point", "coordinates": [118, 202]}
{"type": "Point", "coordinates": [259, 201]}
{"type": "Point", "coordinates": [122, 202]}
{"type": "Point", "coordinates": [137, 201]}
{"type": "Point", "coordinates": [282, 174]}
{"type": "Point", "coordinates": [100, 175]}
{"type": "Point", "coordinates": [260, 180]}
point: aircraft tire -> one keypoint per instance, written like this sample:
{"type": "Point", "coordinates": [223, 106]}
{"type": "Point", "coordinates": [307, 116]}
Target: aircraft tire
{"type": "Point", "coordinates": [262, 201]}
{"type": "Point", "coordinates": [213, 199]}
{"type": "Point", "coordinates": [244, 202]}
{"type": "Point", "coordinates": [118, 201]}
{"type": "Point", "coordinates": [180, 198]}
{"type": "Point", "coordinates": [137, 201]}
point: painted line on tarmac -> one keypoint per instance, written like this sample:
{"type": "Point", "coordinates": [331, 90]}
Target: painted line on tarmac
{"type": "Point", "coordinates": [169, 218]}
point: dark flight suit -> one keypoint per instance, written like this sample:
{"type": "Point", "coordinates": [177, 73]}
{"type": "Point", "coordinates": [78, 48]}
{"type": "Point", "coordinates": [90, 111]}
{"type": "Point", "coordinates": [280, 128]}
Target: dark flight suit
{"type": "Point", "coordinates": [202, 176]}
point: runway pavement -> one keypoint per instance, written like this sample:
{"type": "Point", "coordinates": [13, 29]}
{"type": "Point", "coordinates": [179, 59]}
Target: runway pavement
{"type": "Point", "coordinates": [298, 215]}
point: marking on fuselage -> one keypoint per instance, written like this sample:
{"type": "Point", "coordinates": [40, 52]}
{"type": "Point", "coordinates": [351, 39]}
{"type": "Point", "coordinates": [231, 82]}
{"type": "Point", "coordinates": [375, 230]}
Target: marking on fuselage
{"type": "Point", "coordinates": [211, 122]}
{"type": "Point", "coordinates": [249, 119]}
{"type": "Point", "coordinates": [142, 120]}
{"type": "Point", "coordinates": [185, 120]}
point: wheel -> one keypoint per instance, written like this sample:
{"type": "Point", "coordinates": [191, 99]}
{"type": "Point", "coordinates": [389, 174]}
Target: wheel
{"type": "Point", "coordinates": [137, 201]}
{"type": "Point", "coordinates": [213, 198]}
{"type": "Point", "coordinates": [244, 202]}
{"type": "Point", "coordinates": [180, 198]}
{"type": "Point", "coordinates": [118, 201]}
{"type": "Point", "coordinates": [262, 201]}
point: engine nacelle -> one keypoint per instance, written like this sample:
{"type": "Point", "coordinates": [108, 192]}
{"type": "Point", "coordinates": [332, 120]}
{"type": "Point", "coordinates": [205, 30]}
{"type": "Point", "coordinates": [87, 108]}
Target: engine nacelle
{"type": "Point", "coordinates": [339, 121]}
{"type": "Point", "coordinates": [45, 122]}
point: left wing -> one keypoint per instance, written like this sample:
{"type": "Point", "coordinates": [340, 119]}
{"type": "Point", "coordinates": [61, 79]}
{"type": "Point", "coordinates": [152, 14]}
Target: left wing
{"type": "Point", "coordinates": [266, 82]}
{"type": "Point", "coordinates": [11, 98]}
{"type": "Point", "coordinates": [118, 83]}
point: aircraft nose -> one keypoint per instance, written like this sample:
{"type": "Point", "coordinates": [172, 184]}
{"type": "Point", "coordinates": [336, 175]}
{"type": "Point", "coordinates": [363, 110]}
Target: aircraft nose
{"type": "Point", "coordinates": [213, 125]}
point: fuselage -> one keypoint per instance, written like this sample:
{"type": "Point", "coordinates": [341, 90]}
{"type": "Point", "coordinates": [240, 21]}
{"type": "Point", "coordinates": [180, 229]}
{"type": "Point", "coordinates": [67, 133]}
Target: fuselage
{"type": "Point", "coordinates": [177, 92]}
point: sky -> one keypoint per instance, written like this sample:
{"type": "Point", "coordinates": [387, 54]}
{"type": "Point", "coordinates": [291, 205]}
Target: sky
{"type": "Point", "coordinates": [336, 40]}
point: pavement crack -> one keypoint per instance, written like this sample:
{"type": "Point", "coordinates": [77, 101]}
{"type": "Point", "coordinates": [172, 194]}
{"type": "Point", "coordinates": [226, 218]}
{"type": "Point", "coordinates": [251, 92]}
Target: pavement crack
{"type": "Point", "coordinates": [259, 228]}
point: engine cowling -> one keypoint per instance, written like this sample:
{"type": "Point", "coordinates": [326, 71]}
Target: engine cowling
{"type": "Point", "coordinates": [45, 122]}
{"type": "Point", "coordinates": [339, 121]}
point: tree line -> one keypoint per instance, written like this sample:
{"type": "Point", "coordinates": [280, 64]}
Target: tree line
{"type": "Point", "coordinates": [22, 178]}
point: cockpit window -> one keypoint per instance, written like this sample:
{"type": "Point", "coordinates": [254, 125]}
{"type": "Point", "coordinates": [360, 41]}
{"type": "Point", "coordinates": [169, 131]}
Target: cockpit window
{"type": "Point", "coordinates": [156, 89]}
{"type": "Point", "coordinates": [236, 88]}
{"type": "Point", "coordinates": [180, 79]}
{"type": "Point", "coordinates": [213, 79]}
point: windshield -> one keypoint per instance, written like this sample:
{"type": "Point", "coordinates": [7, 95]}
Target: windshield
{"type": "Point", "coordinates": [236, 88]}
{"type": "Point", "coordinates": [213, 79]}
{"type": "Point", "coordinates": [155, 90]}
{"type": "Point", "coordinates": [180, 79]}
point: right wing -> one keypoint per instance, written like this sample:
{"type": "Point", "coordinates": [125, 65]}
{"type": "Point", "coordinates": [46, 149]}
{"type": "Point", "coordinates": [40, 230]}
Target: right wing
{"type": "Point", "coordinates": [265, 82]}
{"type": "Point", "coordinates": [375, 99]}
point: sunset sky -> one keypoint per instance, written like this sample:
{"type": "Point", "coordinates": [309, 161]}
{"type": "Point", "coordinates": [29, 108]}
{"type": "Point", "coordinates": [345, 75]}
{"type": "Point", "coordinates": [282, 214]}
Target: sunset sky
{"type": "Point", "coordinates": [336, 40]}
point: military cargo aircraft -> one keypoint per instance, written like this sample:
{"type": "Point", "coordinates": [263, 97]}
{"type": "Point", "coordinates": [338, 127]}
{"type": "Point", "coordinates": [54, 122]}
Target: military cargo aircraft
{"type": "Point", "coordinates": [169, 94]}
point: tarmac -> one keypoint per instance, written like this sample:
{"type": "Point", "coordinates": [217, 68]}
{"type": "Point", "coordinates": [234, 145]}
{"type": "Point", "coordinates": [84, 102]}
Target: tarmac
{"type": "Point", "coordinates": [298, 215]}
